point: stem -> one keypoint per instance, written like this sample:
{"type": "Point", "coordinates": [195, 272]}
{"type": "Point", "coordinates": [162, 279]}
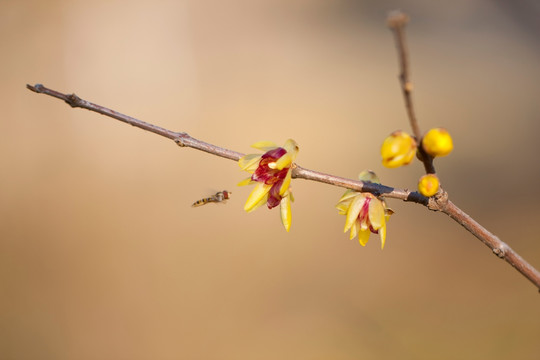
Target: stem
{"type": "Point", "coordinates": [439, 202]}
{"type": "Point", "coordinates": [499, 248]}
{"type": "Point", "coordinates": [397, 22]}
{"type": "Point", "coordinates": [183, 139]}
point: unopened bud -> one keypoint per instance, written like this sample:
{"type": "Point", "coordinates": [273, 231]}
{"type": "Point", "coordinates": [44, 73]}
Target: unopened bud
{"type": "Point", "coordinates": [369, 176]}
{"type": "Point", "coordinates": [398, 149]}
{"type": "Point", "coordinates": [428, 185]}
{"type": "Point", "coordinates": [437, 142]}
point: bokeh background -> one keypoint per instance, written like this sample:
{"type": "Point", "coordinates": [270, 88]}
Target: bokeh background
{"type": "Point", "coordinates": [102, 256]}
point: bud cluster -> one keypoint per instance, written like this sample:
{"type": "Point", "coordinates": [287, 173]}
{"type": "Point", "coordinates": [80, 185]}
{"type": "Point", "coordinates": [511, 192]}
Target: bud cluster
{"type": "Point", "coordinates": [399, 148]}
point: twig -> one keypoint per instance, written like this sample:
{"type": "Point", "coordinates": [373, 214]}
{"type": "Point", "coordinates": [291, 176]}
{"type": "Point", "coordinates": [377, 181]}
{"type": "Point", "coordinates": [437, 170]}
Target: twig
{"type": "Point", "coordinates": [499, 248]}
{"type": "Point", "coordinates": [396, 22]}
{"type": "Point", "coordinates": [183, 139]}
{"type": "Point", "coordinates": [439, 202]}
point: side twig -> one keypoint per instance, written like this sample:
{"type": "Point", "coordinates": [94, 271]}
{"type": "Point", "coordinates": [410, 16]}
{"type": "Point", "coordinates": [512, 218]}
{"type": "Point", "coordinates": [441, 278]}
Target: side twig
{"type": "Point", "coordinates": [397, 22]}
{"type": "Point", "coordinates": [439, 202]}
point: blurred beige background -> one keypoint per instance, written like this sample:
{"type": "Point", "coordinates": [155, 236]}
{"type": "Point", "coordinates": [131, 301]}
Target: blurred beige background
{"type": "Point", "coordinates": [102, 256]}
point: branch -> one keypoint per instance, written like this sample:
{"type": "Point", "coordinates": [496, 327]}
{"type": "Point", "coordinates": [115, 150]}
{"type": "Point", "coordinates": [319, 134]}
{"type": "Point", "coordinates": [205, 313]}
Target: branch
{"type": "Point", "coordinates": [185, 140]}
{"type": "Point", "coordinates": [499, 248]}
{"type": "Point", "coordinates": [438, 202]}
{"type": "Point", "coordinates": [396, 22]}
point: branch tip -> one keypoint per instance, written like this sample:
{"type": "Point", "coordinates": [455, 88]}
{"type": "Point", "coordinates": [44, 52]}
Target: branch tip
{"type": "Point", "coordinates": [397, 19]}
{"type": "Point", "coordinates": [38, 88]}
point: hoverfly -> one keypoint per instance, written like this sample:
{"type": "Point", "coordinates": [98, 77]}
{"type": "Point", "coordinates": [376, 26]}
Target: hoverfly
{"type": "Point", "coordinates": [219, 197]}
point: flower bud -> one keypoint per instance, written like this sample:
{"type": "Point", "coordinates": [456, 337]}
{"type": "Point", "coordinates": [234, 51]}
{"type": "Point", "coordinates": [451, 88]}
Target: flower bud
{"type": "Point", "coordinates": [369, 176]}
{"type": "Point", "coordinates": [437, 142]}
{"type": "Point", "coordinates": [428, 185]}
{"type": "Point", "coordinates": [398, 149]}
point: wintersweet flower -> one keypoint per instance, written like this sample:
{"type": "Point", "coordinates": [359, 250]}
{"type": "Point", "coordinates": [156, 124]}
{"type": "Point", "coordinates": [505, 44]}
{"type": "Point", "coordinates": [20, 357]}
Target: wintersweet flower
{"type": "Point", "coordinates": [272, 173]}
{"type": "Point", "coordinates": [428, 185]}
{"type": "Point", "coordinates": [437, 142]}
{"type": "Point", "coordinates": [365, 212]}
{"type": "Point", "coordinates": [398, 149]}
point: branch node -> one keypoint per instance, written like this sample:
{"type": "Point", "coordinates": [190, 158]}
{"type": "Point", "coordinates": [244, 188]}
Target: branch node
{"type": "Point", "coordinates": [499, 251]}
{"type": "Point", "coordinates": [179, 141]}
{"type": "Point", "coordinates": [73, 100]}
{"type": "Point", "coordinates": [439, 201]}
{"type": "Point", "coordinates": [408, 86]}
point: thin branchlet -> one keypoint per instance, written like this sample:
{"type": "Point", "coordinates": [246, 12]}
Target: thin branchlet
{"type": "Point", "coordinates": [397, 21]}
{"type": "Point", "coordinates": [185, 140]}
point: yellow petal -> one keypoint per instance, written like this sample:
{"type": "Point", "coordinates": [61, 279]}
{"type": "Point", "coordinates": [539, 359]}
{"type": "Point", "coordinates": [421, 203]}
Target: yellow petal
{"type": "Point", "coordinates": [259, 192]}
{"type": "Point", "coordinates": [244, 182]}
{"type": "Point", "coordinates": [343, 207]}
{"type": "Point", "coordinates": [348, 194]}
{"type": "Point", "coordinates": [382, 235]}
{"type": "Point", "coordinates": [283, 162]}
{"type": "Point", "coordinates": [285, 210]}
{"type": "Point", "coordinates": [364, 224]}
{"type": "Point", "coordinates": [354, 210]}
{"type": "Point", "coordinates": [286, 182]}
{"type": "Point", "coordinates": [249, 162]}
{"type": "Point", "coordinates": [264, 145]}
{"type": "Point", "coordinates": [376, 213]}
{"type": "Point", "coordinates": [363, 237]}
{"type": "Point", "coordinates": [354, 230]}
{"type": "Point", "coordinates": [292, 148]}
{"type": "Point", "coordinates": [262, 202]}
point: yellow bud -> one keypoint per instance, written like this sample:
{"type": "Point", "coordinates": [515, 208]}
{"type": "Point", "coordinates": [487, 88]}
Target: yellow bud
{"type": "Point", "coordinates": [428, 185]}
{"type": "Point", "coordinates": [437, 142]}
{"type": "Point", "coordinates": [398, 149]}
{"type": "Point", "coordinates": [369, 176]}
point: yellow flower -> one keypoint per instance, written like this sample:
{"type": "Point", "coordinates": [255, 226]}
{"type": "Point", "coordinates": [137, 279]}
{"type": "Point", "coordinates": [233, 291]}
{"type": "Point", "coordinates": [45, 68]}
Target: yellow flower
{"type": "Point", "coordinates": [398, 149]}
{"type": "Point", "coordinates": [272, 172]}
{"type": "Point", "coordinates": [365, 212]}
{"type": "Point", "coordinates": [437, 142]}
{"type": "Point", "coordinates": [428, 185]}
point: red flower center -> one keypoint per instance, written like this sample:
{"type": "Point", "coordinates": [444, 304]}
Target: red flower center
{"type": "Point", "coordinates": [265, 174]}
{"type": "Point", "coordinates": [363, 216]}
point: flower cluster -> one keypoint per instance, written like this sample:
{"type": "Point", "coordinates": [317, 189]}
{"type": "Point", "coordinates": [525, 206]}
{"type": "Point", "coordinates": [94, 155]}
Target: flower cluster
{"type": "Point", "coordinates": [365, 212]}
{"type": "Point", "coordinates": [398, 149]}
{"type": "Point", "coordinates": [272, 172]}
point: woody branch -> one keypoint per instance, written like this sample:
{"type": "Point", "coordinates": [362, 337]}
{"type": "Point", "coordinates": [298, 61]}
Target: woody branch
{"type": "Point", "coordinates": [439, 202]}
{"type": "Point", "coordinates": [185, 140]}
{"type": "Point", "coordinates": [397, 22]}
